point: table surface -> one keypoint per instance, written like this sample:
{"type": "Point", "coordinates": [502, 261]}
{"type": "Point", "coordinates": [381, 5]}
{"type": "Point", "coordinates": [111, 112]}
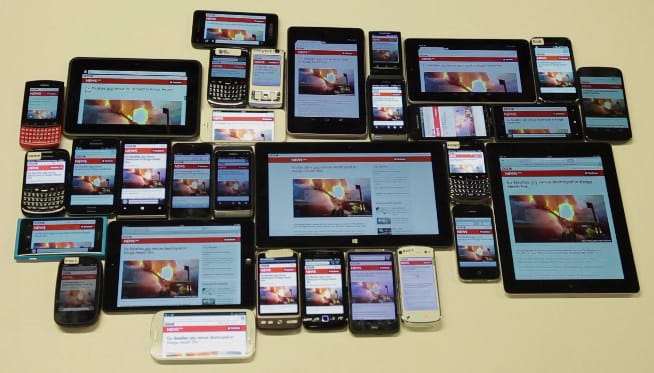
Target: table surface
{"type": "Point", "coordinates": [483, 328]}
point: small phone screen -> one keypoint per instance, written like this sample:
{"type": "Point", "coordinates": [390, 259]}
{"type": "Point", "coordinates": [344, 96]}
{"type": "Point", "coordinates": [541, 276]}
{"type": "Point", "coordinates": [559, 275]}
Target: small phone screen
{"type": "Point", "coordinates": [60, 236]}
{"type": "Point", "coordinates": [250, 126]}
{"type": "Point", "coordinates": [475, 242]}
{"type": "Point", "coordinates": [372, 285]}
{"type": "Point", "coordinates": [43, 103]}
{"type": "Point", "coordinates": [466, 161]}
{"type": "Point", "coordinates": [323, 286]}
{"type": "Point", "coordinates": [45, 171]}
{"type": "Point", "coordinates": [603, 102]}
{"type": "Point", "coordinates": [387, 106]}
{"type": "Point", "coordinates": [385, 48]}
{"type": "Point", "coordinates": [144, 174]}
{"type": "Point", "coordinates": [453, 121]}
{"type": "Point", "coordinates": [77, 288]}
{"type": "Point", "coordinates": [191, 180]}
{"type": "Point", "coordinates": [233, 181]}
{"type": "Point", "coordinates": [536, 121]}
{"type": "Point", "coordinates": [267, 69]}
{"type": "Point", "coordinates": [278, 286]}
{"type": "Point", "coordinates": [93, 179]}
{"type": "Point", "coordinates": [234, 67]}
{"type": "Point", "coordinates": [233, 28]}
{"type": "Point", "coordinates": [555, 70]}
{"type": "Point", "coordinates": [418, 284]}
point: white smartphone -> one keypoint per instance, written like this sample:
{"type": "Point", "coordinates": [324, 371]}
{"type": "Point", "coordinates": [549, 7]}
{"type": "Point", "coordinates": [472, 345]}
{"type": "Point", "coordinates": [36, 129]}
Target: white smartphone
{"type": "Point", "coordinates": [418, 286]}
{"type": "Point", "coordinates": [203, 335]}
{"type": "Point", "coordinates": [267, 78]}
{"type": "Point", "coordinates": [243, 126]}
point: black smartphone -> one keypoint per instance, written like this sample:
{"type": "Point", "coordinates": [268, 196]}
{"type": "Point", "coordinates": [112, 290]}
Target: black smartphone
{"type": "Point", "coordinates": [77, 295]}
{"type": "Point", "coordinates": [143, 182]}
{"type": "Point", "coordinates": [44, 182]}
{"type": "Point", "coordinates": [372, 292]}
{"type": "Point", "coordinates": [191, 189]}
{"type": "Point", "coordinates": [604, 104]}
{"type": "Point", "coordinates": [42, 114]}
{"type": "Point", "coordinates": [450, 122]}
{"type": "Point", "coordinates": [385, 50]}
{"type": "Point", "coordinates": [537, 122]}
{"type": "Point", "coordinates": [556, 76]}
{"type": "Point", "coordinates": [233, 181]}
{"type": "Point", "coordinates": [219, 28]}
{"type": "Point", "coordinates": [475, 242]}
{"type": "Point", "coordinates": [91, 185]}
{"type": "Point", "coordinates": [278, 297]}
{"type": "Point", "coordinates": [386, 98]}
{"type": "Point", "coordinates": [227, 83]}
{"type": "Point", "coordinates": [324, 297]}
{"type": "Point", "coordinates": [467, 172]}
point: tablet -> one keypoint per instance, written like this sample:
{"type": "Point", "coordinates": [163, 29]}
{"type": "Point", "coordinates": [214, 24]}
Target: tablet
{"type": "Point", "coordinates": [325, 80]}
{"type": "Point", "coordinates": [537, 122]}
{"type": "Point", "coordinates": [469, 70]}
{"type": "Point", "coordinates": [152, 265]}
{"type": "Point", "coordinates": [450, 122]}
{"type": "Point", "coordinates": [351, 194]}
{"type": "Point", "coordinates": [560, 223]}
{"type": "Point", "coordinates": [133, 97]}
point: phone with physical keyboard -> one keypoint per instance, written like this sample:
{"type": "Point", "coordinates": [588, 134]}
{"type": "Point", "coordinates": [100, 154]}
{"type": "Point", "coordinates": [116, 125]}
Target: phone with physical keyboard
{"type": "Point", "coordinates": [44, 182]}
{"type": "Point", "coordinates": [467, 172]}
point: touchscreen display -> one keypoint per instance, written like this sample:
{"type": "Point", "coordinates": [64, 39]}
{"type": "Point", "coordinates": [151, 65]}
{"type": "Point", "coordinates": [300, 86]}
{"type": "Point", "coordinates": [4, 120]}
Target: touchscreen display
{"type": "Point", "coordinates": [239, 29]}
{"type": "Point", "coordinates": [191, 180]}
{"type": "Point", "coordinates": [42, 103]}
{"type": "Point", "coordinates": [475, 242]}
{"type": "Point", "coordinates": [278, 286]}
{"type": "Point", "coordinates": [536, 121]}
{"type": "Point", "coordinates": [387, 106]}
{"type": "Point", "coordinates": [372, 285]}
{"type": "Point", "coordinates": [61, 236]}
{"type": "Point", "coordinates": [323, 286]}
{"type": "Point", "coordinates": [466, 161]}
{"type": "Point", "coordinates": [603, 102]}
{"type": "Point", "coordinates": [229, 66]}
{"type": "Point", "coordinates": [204, 334]}
{"type": "Point", "coordinates": [559, 218]}
{"type": "Point", "coordinates": [242, 126]}
{"type": "Point", "coordinates": [77, 288]}
{"type": "Point", "coordinates": [233, 181]}
{"type": "Point", "coordinates": [325, 80]}
{"type": "Point", "coordinates": [267, 69]}
{"type": "Point", "coordinates": [453, 121]}
{"type": "Point", "coordinates": [163, 266]}
{"type": "Point", "coordinates": [446, 70]}
{"type": "Point", "coordinates": [351, 194]}
{"type": "Point", "coordinates": [555, 71]}
{"type": "Point", "coordinates": [42, 171]}
{"type": "Point", "coordinates": [418, 284]}
{"type": "Point", "coordinates": [385, 48]}
{"type": "Point", "coordinates": [124, 97]}
{"type": "Point", "coordinates": [144, 174]}
{"type": "Point", "coordinates": [93, 179]}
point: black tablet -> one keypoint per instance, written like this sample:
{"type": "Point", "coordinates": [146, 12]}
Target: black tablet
{"type": "Point", "coordinates": [560, 223]}
{"type": "Point", "coordinates": [351, 194]}
{"type": "Point", "coordinates": [325, 80]}
{"type": "Point", "coordinates": [133, 97]}
{"type": "Point", "coordinates": [153, 265]}
{"type": "Point", "coordinates": [469, 70]}
{"type": "Point", "coordinates": [537, 122]}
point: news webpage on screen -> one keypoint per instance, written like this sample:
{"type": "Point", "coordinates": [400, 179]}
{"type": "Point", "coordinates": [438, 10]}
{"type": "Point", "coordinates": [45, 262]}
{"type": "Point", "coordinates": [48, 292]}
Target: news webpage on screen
{"type": "Point", "coordinates": [535, 121]}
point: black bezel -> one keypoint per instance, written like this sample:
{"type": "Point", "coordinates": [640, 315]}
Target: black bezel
{"type": "Point", "coordinates": [231, 151]}
{"type": "Point", "coordinates": [475, 273]}
{"type": "Point", "coordinates": [415, 124]}
{"type": "Point", "coordinates": [413, 70]}
{"type": "Point", "coordinates": [46, 155]}
{"type": "Point", "coordinates": [604, 134]}
{"type": "Point", "coordinates": [494, 152]}
{"type": "Point", "coordinates": [389, 68]}
{"type": "Point", "coordinates": [574, 123]}
{"type": "Point", "coordinates": [143, 210]}
{"type": "Point", "coordinates": [309, 320]}
{"type": "Point", "coordinates": [264, 240]}
{"type": "Point", "coordinates": [197, 31]}
{"type": "Point", "coordinates": [326, 126]}
{"type": "Point", "coordinates": [89, 143]}
{"type": "Point", "coordinates": [113, 261]}
{"type": "Point", "coordinates": [78, 65]}
{"type": "Point", "coordinates": [554, 97]}
{"type": "Point", "coordinates": [190, 148]}
{"type": "Point", "coordinates": [385, 80]}
{"type": "Point", "coordinates": [268, 316]}
{"type": "Point", "coordinates": [79, 318]}
{"type": "Point", "coordinates": [60, 103]}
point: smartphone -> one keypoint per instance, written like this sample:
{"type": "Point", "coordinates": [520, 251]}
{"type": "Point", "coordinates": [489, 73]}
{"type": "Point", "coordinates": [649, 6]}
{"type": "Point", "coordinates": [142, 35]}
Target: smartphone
{"type": "Point", "coordinates": [418, 286]}
{"type": "Point", "coordinates": [92, 180]}
{"type": "Point", "coordinates": [556, 76]}
{"type": "Point", "coordinates": [385, 51]}
{"type": "Point", "coordinates": [78, 290]}
{"type": "Point", "coordinates": [537, 122]}
{"type": "Point", "coordinates": [202, 335]}
{"type": "Point", "coordinates": [42, 114]}
{"type": "Point", "coordinates": [386, 107]}
{"type": "Point", "coordinates": [219, 28]}
{"type": "Point", "coordinates": [371, 287]}
{"type": "Point", "coordinates": [467, 172]}
{"type": "Point", "coordinates": [475, 242]}
{"type": "Point", "coordinates": [44, 182]}
{"type": "Point", "coordinates": [143, 183]}
{"type": "Point", "coordinates": [233, 182]}
{"type": "Point", "coordinates": [324, 297]}
{"type": "Point", "coordinates": [604, 104]}
{"type": "Point", "coordinates": [191, 189]}
{"type": "Point", "coordinates": [243, 126]}
{"type": "Point", "coordinates": [450, 122]}
{"type": "Point", "coordinates": [267, 78]}
{"type": "Point", "coordinates": [278, 299]}
{"type": "Point", "coordinates": [227, 83]}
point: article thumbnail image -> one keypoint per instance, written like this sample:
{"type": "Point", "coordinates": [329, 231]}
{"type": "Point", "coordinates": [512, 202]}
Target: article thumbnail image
{"type": "Point", "coordinates": [191, 187]}
{"type": "Point", "coordinates": [93, 185]}
{"type": "Point", "coordinates": [233, 188]}
{"type": "Point", "coordinates": [471, 82]}
{"type": "Point", "coordinates": [372, 292]}
{"type": "Point", "coordinates": [476, 253]}
{"type": "Point", "coordinates": [144, 177]}
{"type": "Point", "coordinates": [269, 295]}
{"type": "Point", "coordinates": [385, 56]}
{"type": "Point", "coordinates": [36, 246]}
{"type": "Point", "coordinates": [232, 34]}
{"type": "Point", "coordinates": [331, 198]}
{"type": "Point", "coordinates": [559, 218]}
{"type": "Point", "coordinates": [82, 298]}
{"type": "Point", "coordinates": [555, 79]}
{"type": "Point", "coordinates": [323, 296]}
{"type": "Point", "coordinates": [326, 81]}
{"type": "Point", "coordinates": [135, 112]}
{"type": "Point", "coordinates": [387, 113]}
{"type": "Point", "coordinates": [221, 134]}
{"type": "Point", "coordinates": [160, 278]}
{"type": "Point", "coordinates": [464, 121]}
{"type": "Point", "coordinates": [604, 107]}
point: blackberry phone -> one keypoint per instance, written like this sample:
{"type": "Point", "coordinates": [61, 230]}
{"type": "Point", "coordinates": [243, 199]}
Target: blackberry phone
{"type": "Point", "coordinates": [467, 172]}
{"type": "Point", "coordinates": [228, 77]}
{"type": "Point", "coordinates": [44, 182]}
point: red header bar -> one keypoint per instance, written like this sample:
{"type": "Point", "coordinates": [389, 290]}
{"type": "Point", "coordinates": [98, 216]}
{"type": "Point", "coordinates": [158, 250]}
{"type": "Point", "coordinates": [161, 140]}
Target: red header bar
{"type": "Point", "coordinates": [371, 267]}
{"type": "Point", "coordinates": [416, 262]}
{"type": "Point", "coordinates": [474, 231]}
{"type": "Point", "coordinates": [469, 59]}
{"type": "Point", "coordinates": [204, 328]}
{"type": "Point", "coordinates": [267, 62]}
{"type": "Point", "coordinates": [326, 53]}
{"type": "Point", "coordinates": [141, 150]}
{"type": "Point", "coordinates": [165, 240]}
{"type": "Point", "coordinates": [47, 167]}
{"type": "Point", "coordinates": [191, 166]}
{"type": "Point", "coordinates": [95, 161]}
{"type": "Point", "coordinates": [352, 159]}
{"type": "Point", "coordinates": [551, 173]}
{"type": "Point", "coordinates": [245, 119]}
{"type": "Point", "coordinates": [134, 81]}
{"type": "Point", "coordinates": [553, 58]}
{"type": "Point", "coordinates": [234, 19]}
{"type": "Point", "coordinates": [322, 271]}
{"type": "Point", "coordinates": [278, 269]}
{"type": "Point", "coordinates": [601, 86]}
{"type": "Point", "coordinates": [44, 93]}
{"type": "Point", "coordinates": [535, 114]}
{"type": "Point", "coordinates": [88, 276]}
{"type": "Point", "coordinates": [62, 227]}
{"type": "Point", "coordinates": [228, 66]}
